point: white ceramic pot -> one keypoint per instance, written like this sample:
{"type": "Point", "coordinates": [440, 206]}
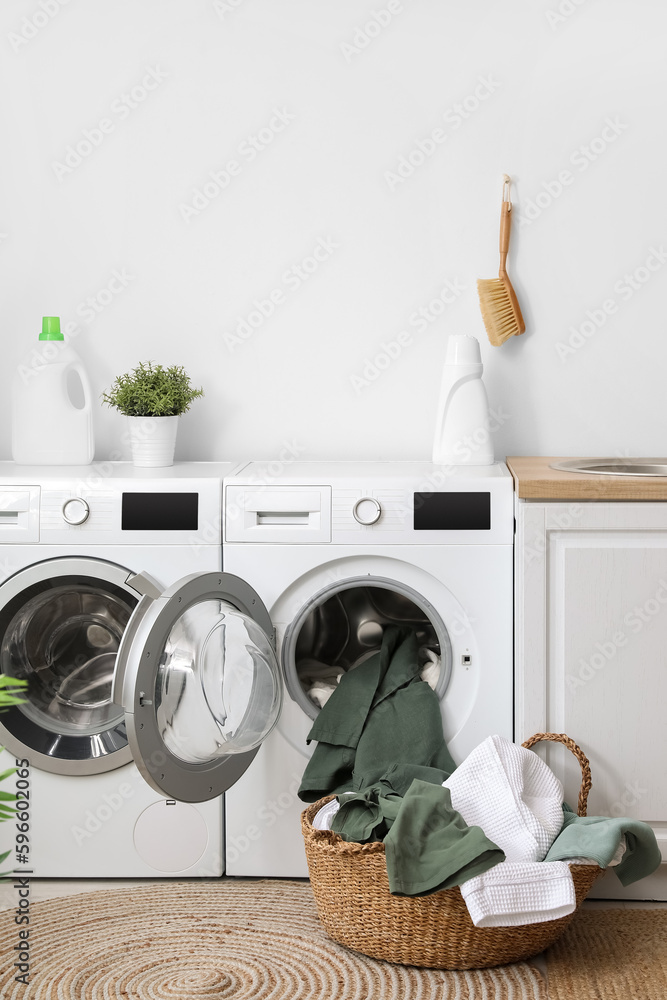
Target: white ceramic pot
{"type": "Point", "coordinates": [153, 441]}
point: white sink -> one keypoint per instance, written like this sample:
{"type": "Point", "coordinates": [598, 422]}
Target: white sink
{"type": "Point", "coordinates": [615, 466]}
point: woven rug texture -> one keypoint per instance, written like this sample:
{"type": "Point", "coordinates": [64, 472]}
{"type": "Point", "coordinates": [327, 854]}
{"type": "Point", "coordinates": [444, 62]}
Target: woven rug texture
{"type": "Point", "coordinates": [246, 940]}
{"type": "Point", "coordinates": [610, 955]}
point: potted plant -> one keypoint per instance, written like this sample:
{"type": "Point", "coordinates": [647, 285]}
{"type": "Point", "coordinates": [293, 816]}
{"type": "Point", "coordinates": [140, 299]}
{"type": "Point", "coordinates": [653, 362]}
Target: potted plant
{"type": "Point", "coordinates": [152, 398]}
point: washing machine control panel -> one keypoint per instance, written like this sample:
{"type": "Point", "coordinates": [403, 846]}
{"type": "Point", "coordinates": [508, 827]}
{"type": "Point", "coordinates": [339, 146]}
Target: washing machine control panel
{"type": "Point", "coordinates": [113, 504]}
{"type": "Point", "coordinates": [427, 505]}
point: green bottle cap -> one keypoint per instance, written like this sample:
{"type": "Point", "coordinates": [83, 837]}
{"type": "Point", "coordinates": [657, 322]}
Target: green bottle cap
{"type": "Point", "coordinates": [51, 328]}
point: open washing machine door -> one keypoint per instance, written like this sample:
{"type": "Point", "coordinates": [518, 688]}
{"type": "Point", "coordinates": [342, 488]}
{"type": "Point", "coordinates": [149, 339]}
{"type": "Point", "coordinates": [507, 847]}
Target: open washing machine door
{"type": "Point", "coordinates": [199, 682]}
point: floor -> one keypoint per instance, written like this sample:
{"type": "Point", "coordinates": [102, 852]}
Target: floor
{"type": "Point", "coordinates": [41, 889]}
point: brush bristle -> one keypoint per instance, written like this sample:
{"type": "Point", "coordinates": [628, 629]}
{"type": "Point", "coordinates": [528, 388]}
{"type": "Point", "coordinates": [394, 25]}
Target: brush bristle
{"type": "Point", "coordinates": [498, 313]}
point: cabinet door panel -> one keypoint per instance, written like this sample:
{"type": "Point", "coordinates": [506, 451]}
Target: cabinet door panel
{"type": "Point", "coordinates": [607, 655]}
{"type": "Point", "coordinates": [591, 650]}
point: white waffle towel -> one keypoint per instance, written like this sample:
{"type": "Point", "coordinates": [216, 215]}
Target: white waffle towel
{"type": "Point", "coordinates": [512, 794]}
{"type": "Point", "coordinates": [512, 894]}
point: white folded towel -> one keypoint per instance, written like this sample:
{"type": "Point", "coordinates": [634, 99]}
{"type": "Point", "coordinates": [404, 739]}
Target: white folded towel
{"type": "Point", "coordinates": [512, 794]}
{"type": "Point", "coordinates": [430, 669]}
{"type": "Point", "coordinates": [320, 692]}
{"type": "Point", "coordinates": [311, 671]}
{"type": "Point", "coordinates": [325, 815]}
{"type": "Point", "coordinates": [512, 894]}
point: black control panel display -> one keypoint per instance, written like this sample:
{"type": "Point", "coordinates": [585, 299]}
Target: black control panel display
{"type": "Point", "coordinates": [160, 512]}
{"type": "Point", "coordinates": [452, 511]}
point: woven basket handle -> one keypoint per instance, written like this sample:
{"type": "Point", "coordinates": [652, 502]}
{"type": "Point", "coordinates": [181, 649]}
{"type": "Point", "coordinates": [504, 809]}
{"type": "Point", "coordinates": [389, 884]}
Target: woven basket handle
{"type": "Point", "coordinates": [586, 780]}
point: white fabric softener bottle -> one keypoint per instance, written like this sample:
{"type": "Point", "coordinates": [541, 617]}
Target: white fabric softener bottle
{"type": "Point", "coordinates": [462, 433]}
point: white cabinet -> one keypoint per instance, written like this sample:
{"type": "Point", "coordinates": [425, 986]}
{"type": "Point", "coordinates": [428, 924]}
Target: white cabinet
{"type": "Point", "coordinates": [591, 654]}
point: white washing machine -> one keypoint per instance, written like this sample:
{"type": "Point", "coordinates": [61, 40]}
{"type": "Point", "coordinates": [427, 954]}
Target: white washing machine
{"type": "Point", "coordinates": [152, 676]}
{"type": "Point", "coordinates": [338, 550]}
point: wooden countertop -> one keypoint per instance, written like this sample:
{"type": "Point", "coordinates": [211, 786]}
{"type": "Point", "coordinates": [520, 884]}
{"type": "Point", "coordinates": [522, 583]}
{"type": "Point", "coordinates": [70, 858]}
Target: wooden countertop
{"type": "Point", "coordinates": [534, 480]}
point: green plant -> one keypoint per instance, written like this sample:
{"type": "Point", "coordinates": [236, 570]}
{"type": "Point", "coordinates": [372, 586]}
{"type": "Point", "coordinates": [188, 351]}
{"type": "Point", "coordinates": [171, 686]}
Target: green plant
{"type": "Point", "coordinates": [10, 688]}
{"type": "Point", "coordinates": [152, 391]}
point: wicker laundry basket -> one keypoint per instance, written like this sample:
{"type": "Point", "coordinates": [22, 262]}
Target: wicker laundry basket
{"type": "Point", "coordinates": [351, 890]}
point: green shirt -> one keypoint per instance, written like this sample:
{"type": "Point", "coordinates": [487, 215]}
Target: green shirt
{"type": "Point", "coordinates": [428, 844]}
{"type": "Point", "coordinates": [381, 714]}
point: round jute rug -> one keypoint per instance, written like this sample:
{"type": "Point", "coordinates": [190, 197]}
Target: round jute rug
{"type": "Point", "coordinates": [233, 940]}
{"type": "Point", "coordinates": [610, 953]}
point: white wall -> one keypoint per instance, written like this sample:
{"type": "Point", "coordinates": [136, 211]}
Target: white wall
{"type": "Point", "coordinates": [547, 83]}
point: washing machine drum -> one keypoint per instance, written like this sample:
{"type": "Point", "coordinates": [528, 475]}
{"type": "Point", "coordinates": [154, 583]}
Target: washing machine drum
{"type": "Point", "coordinates": [63, 642]}
{"type": "Point", "coordinates": [61, 625]}
{"type": "Point", "coordinates": [343, 625]}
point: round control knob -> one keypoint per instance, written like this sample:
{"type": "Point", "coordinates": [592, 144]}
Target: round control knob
{"type": "Point", "coordinates": [76, 511]}
{"type": "Point", "coordinates": [367, 511]}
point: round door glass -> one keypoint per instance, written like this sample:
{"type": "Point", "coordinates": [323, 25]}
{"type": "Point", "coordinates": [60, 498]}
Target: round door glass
{"type": "Point", "coordinates": [64, 641]}
{"type": "Point", "coordinates": [218, 687]}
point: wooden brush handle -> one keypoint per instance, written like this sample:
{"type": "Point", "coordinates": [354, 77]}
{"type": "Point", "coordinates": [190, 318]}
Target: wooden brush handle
{"type": "Point", "coordinates": [505, 227]}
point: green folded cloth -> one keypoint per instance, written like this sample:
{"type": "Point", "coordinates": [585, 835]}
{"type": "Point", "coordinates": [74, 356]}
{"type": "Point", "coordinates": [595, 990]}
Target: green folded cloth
{"type": "Point", "coordinates": [598, 837]}
{"type": "Point", "coordinates": [431, 847]}
{"type": "Point", "coordinates": [380, 714]}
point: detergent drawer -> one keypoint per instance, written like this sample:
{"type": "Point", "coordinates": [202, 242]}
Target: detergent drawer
{"type": "Point", "coordinates": [292, 515]}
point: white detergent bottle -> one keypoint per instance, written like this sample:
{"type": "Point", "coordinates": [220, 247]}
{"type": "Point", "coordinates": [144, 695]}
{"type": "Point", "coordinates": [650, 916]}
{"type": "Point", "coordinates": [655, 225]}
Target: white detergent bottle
{"type": "Point", "coordinates": [52, 417]}
{"type": "Point", "coordinates": [462, 433]}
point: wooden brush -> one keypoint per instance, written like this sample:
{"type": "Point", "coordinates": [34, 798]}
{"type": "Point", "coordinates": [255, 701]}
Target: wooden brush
{"type": "Point", "coordinates": [500, 308]}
